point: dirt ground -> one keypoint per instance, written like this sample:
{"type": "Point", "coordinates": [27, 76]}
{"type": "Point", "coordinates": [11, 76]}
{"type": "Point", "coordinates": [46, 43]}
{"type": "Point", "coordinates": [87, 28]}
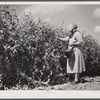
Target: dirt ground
{"type": "Point", "coordinates": [90, 83]}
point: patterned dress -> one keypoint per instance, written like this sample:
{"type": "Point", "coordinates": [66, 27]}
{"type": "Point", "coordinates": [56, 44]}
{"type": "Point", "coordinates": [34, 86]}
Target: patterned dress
{"type": "Point", "coordinates": [75, 64]}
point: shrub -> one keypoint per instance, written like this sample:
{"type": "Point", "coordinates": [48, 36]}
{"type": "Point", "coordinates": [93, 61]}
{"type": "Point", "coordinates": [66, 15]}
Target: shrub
{"type": "Point", "coordinates": [91, 56]}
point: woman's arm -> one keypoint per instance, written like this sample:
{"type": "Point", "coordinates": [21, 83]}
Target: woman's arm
{"type": "Point", "coordinates": [64, 39]}
{"type": "Point", "coordinates": [78, 43]}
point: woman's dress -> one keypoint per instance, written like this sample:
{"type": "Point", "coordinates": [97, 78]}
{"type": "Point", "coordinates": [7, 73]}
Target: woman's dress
{"type": "Point", "coordinates": [75, 64]}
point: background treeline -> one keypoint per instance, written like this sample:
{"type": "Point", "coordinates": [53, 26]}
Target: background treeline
{"type": "Point", "coordinates": [31, 55]}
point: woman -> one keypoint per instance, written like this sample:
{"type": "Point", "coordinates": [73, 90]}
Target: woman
{"type": "Point", "coordinates": [75, 64]}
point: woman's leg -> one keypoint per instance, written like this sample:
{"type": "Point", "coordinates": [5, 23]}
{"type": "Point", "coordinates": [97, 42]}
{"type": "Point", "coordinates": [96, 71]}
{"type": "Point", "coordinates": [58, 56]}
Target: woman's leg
{"type": "Point", "coordinates": [76, 77]}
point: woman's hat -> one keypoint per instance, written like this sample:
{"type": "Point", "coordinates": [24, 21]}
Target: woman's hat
{"type": "Point", "coordinates": [72, 26]}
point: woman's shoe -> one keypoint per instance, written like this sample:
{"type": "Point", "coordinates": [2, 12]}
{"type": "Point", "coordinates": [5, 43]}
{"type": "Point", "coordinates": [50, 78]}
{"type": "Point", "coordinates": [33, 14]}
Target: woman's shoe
{"type": "Point", "coordinates": [75, 82]}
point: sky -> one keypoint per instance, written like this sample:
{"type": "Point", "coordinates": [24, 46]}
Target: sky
{"type": "Point", "coordinates": [87, 17]}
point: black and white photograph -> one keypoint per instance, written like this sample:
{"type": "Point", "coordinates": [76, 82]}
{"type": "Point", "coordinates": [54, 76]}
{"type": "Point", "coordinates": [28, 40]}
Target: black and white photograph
{"type": "Point", "coordinates": [49, 46]}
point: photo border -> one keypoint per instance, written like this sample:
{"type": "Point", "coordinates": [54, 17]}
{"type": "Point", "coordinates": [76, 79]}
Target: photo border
{"type": "Point", "coordinates": [51, 93]}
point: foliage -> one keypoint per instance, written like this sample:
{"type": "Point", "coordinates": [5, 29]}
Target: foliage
{"type": "Point", "coordinates": [91, 56]}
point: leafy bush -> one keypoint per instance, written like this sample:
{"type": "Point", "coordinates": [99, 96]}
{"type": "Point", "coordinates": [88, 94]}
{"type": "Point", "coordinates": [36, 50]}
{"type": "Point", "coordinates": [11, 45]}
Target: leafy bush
{"type": "Point", "coordinates": [91, 56]}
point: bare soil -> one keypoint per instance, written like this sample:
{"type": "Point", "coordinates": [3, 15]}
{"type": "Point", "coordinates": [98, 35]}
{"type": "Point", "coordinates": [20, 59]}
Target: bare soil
{"type": "Point", "coordinates": [90, 83]}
